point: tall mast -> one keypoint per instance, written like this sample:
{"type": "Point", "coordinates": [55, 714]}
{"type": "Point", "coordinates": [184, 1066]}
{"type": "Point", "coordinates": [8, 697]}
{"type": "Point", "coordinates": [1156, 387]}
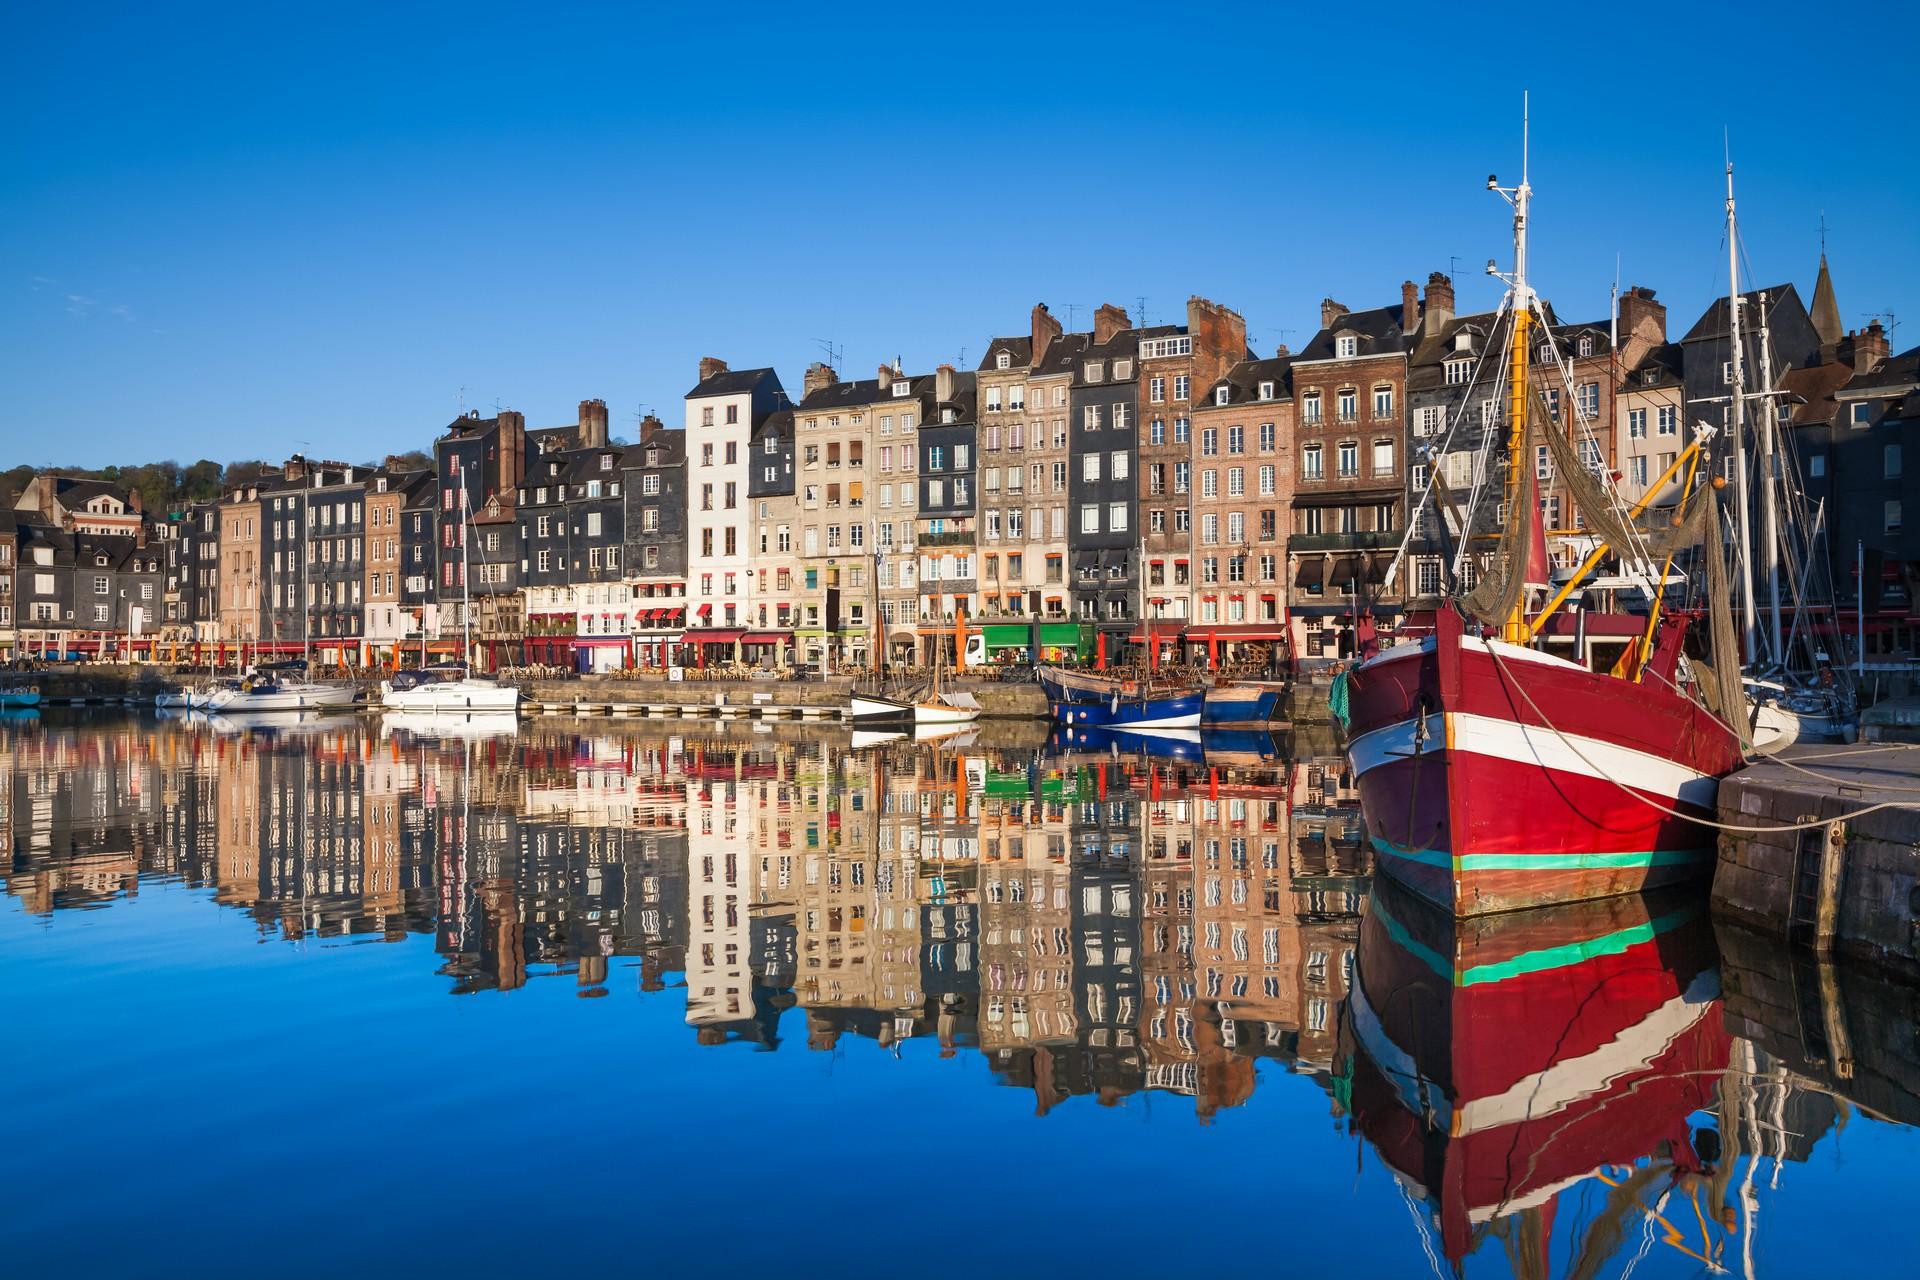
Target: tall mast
{"type": "Point", "coordinates": [1514, 630]}
{"type": "Point", "coordinates": [1738, 371]}
{"type": "Point", "coordinates": [1769, 480]}
{"type": "Point", "coordinates": [466, 598]}
{"type": "Point", "coordinates": [306, 549]}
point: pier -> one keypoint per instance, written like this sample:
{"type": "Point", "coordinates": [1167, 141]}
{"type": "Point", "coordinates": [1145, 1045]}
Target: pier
{"type": "Point", "coordinates": [1827, 853]}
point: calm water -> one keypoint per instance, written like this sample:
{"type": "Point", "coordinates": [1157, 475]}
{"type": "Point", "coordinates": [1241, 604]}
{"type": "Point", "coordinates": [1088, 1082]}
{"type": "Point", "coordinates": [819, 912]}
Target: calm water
{"type": "Point", "coordinates": [602, 996]}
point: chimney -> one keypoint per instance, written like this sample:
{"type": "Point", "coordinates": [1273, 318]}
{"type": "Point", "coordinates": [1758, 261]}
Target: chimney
{"type": "Point", "coordinates": [593, 424]}
{"type": "Point", "coordinates": [1046, 331]}
{"type": "Point", "coordinates": [819, 376]}
{"type": "Point", "coordinates": [1868, 347]}
{"type": "Point", "coordinates": [1108, 321]}
{"type": "Point", "coordinates": [1282, 351]}
{"type": "Point", "coordinates": [710, 365]}
{"type": "Point", "coordinates": [651, 426]}
{"type": "Point", "coordinates": [1439, 307]}
{"type": "Point", "coordinates": [135, 502]}
{"type": "Point", "coordinates": [886, 376]}
{"type": "Point", "coordinates": [1409, 306]}
{"type": "Point", "coordinates": [1330, 311]}
{"type": "Point", "coordinates": [943, 384]}
{"type": "Point", "coordinates": [1642, 317]}
{"type": "Point", "coordinates": [296, 468]}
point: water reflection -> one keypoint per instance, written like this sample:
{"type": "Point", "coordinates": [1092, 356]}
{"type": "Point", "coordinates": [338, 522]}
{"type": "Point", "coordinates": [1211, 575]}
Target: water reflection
{"type": "Point", "coordinates": [1090, 918]}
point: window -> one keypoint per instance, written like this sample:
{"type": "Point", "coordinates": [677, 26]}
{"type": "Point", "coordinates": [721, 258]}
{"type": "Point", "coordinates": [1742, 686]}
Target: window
{"type": "Point", "coordinates": [1383, 402]}
{"type": "Point", "coordinates": [1265, 391]}
{"type": "Point", "coordinates": [1890, 461]}
{"type": "Point", "coordinates": [1587, 396]}
{"type": "Point", "coordinates": [1090, 417]}
{"type": "Point", "coordinates": [1090, 518]}
{"type": "Point", "coordinates": [1267, 476]}
{"type": "Point", "coordinates": [1860, 414]}
{"type": "Point", "coordinates": [1209, 483]}
{"type": "Point", "coordinates": [1003, 361]}
{"type": "Point", "coordinates": [1346, 346]}
{"type": "Point", "coordinates": [1266, 437]}
{"type": "Point", "coordinates": [1892, 520]}
{"type": "Point", "coordinates": [1220, 394]}
{"type": "Point", "coordinates": [1637, 470]}
{"type": "Point", "coordinates": [1383, 457]}
{"type": "Point", "coordinates": [1117, 517]}
{"type": "Point", "coordinates": [1669, 420]}
{"type": "Point", "coordinates": [1122, 416]}
{"type": "Point", "coordinates": [1157, 389]}
{"type": "Point", "coordinates": [1236, 439]}
{"type": "Point", "coordinates": [1542, 463]}
{"type": "Point", "coordinates": [1427, 422]}
{"type": "Point", "coordinates": [1209, 442]}
{"type": "Point", "coordinates": [1817, 466]}
{"type": "Point", "coordinates": [1636, 424]}
{"type": "Point", "coordinates": [1349, 458]}
{"type": "Point", "coordinates": [1236, 482]}
{"type": "Point", "coordinates": [1457, 372]}
{"type": "Point", "coordinates": [1181, 382]}
{"type": "Point", "coordinates": [1313, 463]}
{"type": "Point", "coordinates": [1181, 427]}
{"type": "Point", "coordinates": [1348, 404]}
{"type": "Point", "coordinates": [1209, 528]}
{"type": "Point", "coordinates": [593, 524]}
{"type": "Point", "coordinates": [1117, 464]}
{"type": "Point", "coordinates": [1090, 467]}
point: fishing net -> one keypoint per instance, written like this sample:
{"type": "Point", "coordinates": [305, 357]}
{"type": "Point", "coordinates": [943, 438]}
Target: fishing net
{"type": "Point", "coordinates": [1503, 580]}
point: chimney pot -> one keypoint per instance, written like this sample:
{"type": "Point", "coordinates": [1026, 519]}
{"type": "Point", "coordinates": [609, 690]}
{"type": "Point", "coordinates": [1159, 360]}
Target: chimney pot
{"type": "Point", "coordinates": [1046, 331]}
{"type": "Point", "coordinates": [1108, 321]}
{"type": "Point", "coordinates": [1330, 311]}
{"type": "Point", "coordinates": [819, 376]}
{"type": "Point", "coordinates": [711, 365]}
{"type": "Point", "coordinates": [1409, 306]}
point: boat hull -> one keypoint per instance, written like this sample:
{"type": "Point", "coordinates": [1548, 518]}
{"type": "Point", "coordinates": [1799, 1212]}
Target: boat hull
{"type": "Point", "coordinates": [1096, 702]}
{"type": "Point", "coordinates": [459, 696]}
{"type": "Point", "coordinates": [868, 711]}
{"type": "Point", "coordinates": [304, 697]}
{"type": "Point", "coordinates": [1495, 778]}
{"type": "Point", "coordinates": [18, 698]}
{"type": "Point", "coordinates": [1243, 704]}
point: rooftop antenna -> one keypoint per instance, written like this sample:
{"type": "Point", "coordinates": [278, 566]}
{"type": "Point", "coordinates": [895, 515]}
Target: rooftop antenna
{"type": "Point", "coordinates": [463, 400]}
{"type": "Point", "coordinates": [1453, 265]}
{"type": "Point", "coordinates": [1823, 233]}
{"type": "Point", "coordinates": [1140, 305]}
{"type": "Point", "coordinates": [835, 354]}
{"type": "Point", "coordinates": [1892, 324]}
{"type": "Point", "coordinates": [960, 361]}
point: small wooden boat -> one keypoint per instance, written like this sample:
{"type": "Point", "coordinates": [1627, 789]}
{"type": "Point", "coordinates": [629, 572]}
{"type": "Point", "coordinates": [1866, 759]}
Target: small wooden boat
{"type": "Point", "coordinates": [1085, 700]}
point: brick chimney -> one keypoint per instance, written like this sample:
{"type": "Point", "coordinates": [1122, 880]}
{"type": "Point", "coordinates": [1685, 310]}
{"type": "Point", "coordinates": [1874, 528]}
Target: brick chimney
{"type": "Point", "coordinates": [1642, 317]}
{"type": "Point", "coordinates": [593, 424]}
{"type": "Point", "coordinates": [885, 376]}
{"type": "Point", "coordinates": [943, 384]}
{"type": "Point", "coordinates": [1409, 306]}
{"type": "Point", "coordinates": [1046, 332]}
{"type": "Point", "coordinates": [1439, 306]}
{"type": "Point", "coordinates": [1866, 348]}
{"type": "Point", "coordinates": [819, 376]}
{"type": "Point", "coordinates": [711, 365]}
{"type": "Point", "coordinates": [1282, 351]}
{"type": "Point", "coordinates": [1108, 321]}
{"type": "Point", "coordinates": [651, 426]}
{"type": "Point", "coordinates": [296, 468]}
{"type": "Point", "coordinates": [135, 502]}
{"type": "Point", "coordinates": [1330, 311]}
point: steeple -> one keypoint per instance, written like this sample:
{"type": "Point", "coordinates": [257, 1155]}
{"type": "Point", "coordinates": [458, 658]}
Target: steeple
{"type": "Point", "coordinates": [1826, 312]}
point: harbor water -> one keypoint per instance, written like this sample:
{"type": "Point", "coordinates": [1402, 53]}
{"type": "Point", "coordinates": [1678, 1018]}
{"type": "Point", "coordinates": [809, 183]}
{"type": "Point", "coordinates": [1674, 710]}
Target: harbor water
{"type": "Point", "coordinates": [487, 998]}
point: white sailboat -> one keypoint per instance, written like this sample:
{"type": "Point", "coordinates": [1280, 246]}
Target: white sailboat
{"type": "Point", "coordinates": [451, 687]}
{"type": "Point", "coordinates": [937, 706]}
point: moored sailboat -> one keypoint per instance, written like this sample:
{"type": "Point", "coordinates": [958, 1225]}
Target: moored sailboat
{"type": "Point", "coordinates": [1495, 775]}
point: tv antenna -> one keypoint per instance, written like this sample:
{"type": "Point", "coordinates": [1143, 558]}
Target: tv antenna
{"type": "Point", "coordinates": [1140, 306]}
{"type": "Point", "coordinates": [835, 354]}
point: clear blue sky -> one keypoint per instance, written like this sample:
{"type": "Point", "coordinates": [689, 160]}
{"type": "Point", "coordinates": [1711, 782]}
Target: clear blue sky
{"type": "Point", "coordinates": [222, 232]}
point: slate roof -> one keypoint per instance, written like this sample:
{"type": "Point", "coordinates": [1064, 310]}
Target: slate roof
{"type": "Point", "coordinates": [1891, 377]}
{"type": "Point", "coordinates": [1243, 382]}
{"type": "Point", "coordinates": [733, 382]}
{"type": "Point", "coordinates": [1378, 330]}
{"type": "Point", "coordinates": [1812, 391]}
{"type": "Point", "coordinates": [1712, 324]}
{"type": "Point", "coordinates": [1020, 349]}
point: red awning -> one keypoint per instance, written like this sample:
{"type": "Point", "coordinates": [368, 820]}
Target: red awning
{"type": "Point", "coordinates": [704, 610]}
{"type": "Point", "coordinates": [766, 637]}
{"type": "Point", "coordinates": [1237, 631]}
{"type": "Point", "coordinates": [719, 635]}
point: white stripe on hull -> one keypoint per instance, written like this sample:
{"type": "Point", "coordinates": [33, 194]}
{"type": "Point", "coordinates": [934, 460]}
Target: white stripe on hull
{"type": "Point", "coordinates": [1549, 748]}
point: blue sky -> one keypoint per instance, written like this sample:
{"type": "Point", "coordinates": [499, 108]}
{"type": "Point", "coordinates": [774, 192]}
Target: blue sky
{"type": "Point", "coordinates": [226, 231]}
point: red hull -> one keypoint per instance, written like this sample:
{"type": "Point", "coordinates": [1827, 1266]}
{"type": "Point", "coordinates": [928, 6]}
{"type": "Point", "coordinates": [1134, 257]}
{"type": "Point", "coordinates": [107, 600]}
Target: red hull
{"type": "Point", "coordinates": [1494, 778]}
{"type": "Point", "coordinates": [1497, 1063]}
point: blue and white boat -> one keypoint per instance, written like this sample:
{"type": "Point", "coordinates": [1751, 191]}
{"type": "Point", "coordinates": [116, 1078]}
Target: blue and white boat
{"type": "Point", "coordinates": [1246, 703]}
{"type": "Point", "coordinates": [1084, 700]}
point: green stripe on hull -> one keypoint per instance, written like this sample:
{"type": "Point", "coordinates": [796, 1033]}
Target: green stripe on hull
{"type": "Point", "coordinates": [1542, 861]}
{"type": "Point", "coordinates": [1540, 961]}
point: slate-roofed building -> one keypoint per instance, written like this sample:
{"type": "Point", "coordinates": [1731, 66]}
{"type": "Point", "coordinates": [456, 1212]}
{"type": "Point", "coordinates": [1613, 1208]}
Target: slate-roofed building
{"type": "Point", "coordinates": [1103, 538]}
{"type": "Point", "coordinates": [723, 410]}
{"type": "Point", "coordinates": [479, 464]}
{"type": "Point", "coordinates": [85, 506]}
{"type": "Point", "coordinates": [828, 558]}
{"type": "Point", "coordinates": [1349, 497]}
{"type": "Point", "coordinates": [1003, 437]}
{"type": "Point", "coordinates": [1242, 510]}
{"type": "Point", "coordinates": [390, 610]}
{"type": "Point", "coordinates": [655, 554]}
{"type": "Point", "coordinates": [946, 530]}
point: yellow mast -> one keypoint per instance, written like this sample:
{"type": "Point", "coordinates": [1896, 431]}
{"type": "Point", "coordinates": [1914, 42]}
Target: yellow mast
{"type": "Point", "coordinates": [1515, 630]}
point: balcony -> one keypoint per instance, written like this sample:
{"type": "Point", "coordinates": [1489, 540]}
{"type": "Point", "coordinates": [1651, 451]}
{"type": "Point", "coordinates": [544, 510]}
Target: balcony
{"type": "Point", "coordinates": [1373, 540]}
{"type": "Point", "coordinates": [946, 539]}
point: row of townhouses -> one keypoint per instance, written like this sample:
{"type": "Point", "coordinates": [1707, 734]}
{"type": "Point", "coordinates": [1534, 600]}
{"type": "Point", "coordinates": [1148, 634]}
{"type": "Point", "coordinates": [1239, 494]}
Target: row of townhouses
{"type": "Point", "coordinates": [1129, 485]}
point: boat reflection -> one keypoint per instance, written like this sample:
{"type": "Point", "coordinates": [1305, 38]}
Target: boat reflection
{"type": "Point", "coordinates": [1498, 1062]}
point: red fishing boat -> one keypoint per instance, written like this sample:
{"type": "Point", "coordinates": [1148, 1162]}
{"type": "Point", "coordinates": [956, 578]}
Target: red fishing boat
{"type": "Point", "coordinates": [1496, 1063]}
{"type": "Point", "coordinates": [1496, 774]}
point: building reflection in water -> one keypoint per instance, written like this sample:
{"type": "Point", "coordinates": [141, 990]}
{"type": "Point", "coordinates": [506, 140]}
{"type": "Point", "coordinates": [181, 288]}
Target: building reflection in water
{"type": "Point", "coordinates": [1093, 921]}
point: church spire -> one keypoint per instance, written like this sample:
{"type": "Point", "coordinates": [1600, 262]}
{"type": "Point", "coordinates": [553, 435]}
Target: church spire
{"type": "Point", "coordinates": [1825, 312]}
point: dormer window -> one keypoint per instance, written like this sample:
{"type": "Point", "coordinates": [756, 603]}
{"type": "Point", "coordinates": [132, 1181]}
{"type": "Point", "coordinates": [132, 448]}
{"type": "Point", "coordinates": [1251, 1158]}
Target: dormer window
{"type": "Point", "coordinates": [100, 560]}
{"type": "Point", "coordinates": [1220, 394]}
{"type": "Point", "coordinates": [902, 389]}
{"type": "Point", "coordinates": [1649, 377]}
{"type": "Point", "coordinates": [606, 462]}
{"type": "Point", "coordinates": [1586, 344]}
{"type": "Point", "coordinates": [1346, 346]}
{"type": "Point", "coordinates": [1096, 371]}
{"type": "Point", "coordinates": [1266, 391]}
{"type": "Point", "coordinates": [1003, 361]}
{"type": "Point", "coordinates": [1122, 370]}
{"type": "Point", "coordinates": [1546, 353]}
{"type": "Point", "coordinates": [1457, 371]}
{"type": "Point", "coordinates": [1463, 340]}
{"type": "Point", "coordinates": [949, 415]}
